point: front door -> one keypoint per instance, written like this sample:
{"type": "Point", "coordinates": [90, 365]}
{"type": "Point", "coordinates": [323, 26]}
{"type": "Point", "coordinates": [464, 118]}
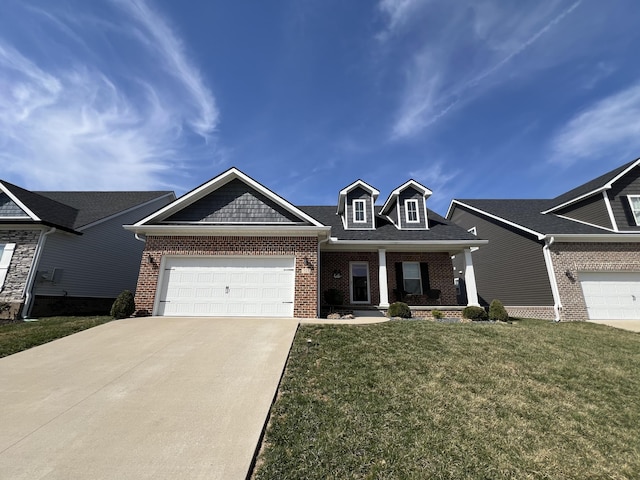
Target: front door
{"type": "Point", "coordinates": [360, 282]}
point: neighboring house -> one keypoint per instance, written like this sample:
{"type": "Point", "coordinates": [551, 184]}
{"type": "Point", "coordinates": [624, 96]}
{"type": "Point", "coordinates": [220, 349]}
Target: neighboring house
{"type": "Point", "coordinates": [232, 247]}
{"type": "Point", "coordinates": [574, 257]}
{"type": "Point", "coordinates": [66, 252]}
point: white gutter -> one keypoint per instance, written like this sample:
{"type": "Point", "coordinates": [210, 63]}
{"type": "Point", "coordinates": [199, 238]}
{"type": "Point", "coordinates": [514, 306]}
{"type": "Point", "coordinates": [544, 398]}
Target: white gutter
{"type": "Point", "coordinates": [138, 237]}
{"type": "Point", "coordinates": [557, 304]}
{"type": "Point", "coordinates": [33, 272]}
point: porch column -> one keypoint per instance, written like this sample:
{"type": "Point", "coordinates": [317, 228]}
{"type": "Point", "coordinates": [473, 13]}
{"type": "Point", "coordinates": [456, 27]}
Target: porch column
{"type": "Point", "coordinates": [382, 278]}
{"type": "Point", "coordinates": [470, 279]}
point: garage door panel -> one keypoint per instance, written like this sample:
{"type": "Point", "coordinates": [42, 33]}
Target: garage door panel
{"type": "Point", "coordinates": [611, 295]}
{"type": "Point", "coordinates": [219, 286]}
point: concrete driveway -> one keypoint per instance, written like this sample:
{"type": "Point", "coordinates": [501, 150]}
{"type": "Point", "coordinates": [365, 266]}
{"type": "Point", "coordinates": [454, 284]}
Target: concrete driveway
{"type": "Point", "coordinates": [161, 398]}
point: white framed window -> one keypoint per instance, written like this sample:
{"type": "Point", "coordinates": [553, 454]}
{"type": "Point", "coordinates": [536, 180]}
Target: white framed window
{"type": "Point", "coordinates": [634, 202]}
{"type": "Point", "coordinates": [411, 211]}
{"type": "Point", "coordinates": [359, 211]}
{"type": "Point", "coordinates": [411, 278]}
{"type": "Point", "coordinates": [6, 252]}
{"type": "Point", "coordinates": [359, 280]}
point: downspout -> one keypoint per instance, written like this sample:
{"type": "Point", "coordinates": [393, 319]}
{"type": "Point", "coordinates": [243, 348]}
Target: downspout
{"type": "Point", "coordinates": [557, 305]}
{"type": "Point", "coordinates": [143, 240]}
{"type": "Point", "coordinates": [33, 272]}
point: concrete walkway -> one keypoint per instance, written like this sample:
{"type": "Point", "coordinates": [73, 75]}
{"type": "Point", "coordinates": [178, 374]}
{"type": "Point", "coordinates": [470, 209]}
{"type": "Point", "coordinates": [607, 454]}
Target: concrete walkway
{"type": "Point", "coordinates": [631, 325]}
{"type": "Point", "coordinates": [161, 398]}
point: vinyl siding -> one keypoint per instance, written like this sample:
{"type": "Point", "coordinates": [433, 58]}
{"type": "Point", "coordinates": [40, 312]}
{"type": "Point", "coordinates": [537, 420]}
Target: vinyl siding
{"type": "Point", "coordinates": [510, 268]}
{"type": "Point", "coordinates": [8, 208]}
{"type": "Point", "coordinates": [358, 194]}
{"type": "Point", "coordinates": [628, 185]}
{"type": "Point", "coordinates": [100, 263]}
{"type": "Point", "coordinates": [235, 202]}
{"type": "Point", "coordinates": [591, 210]}
{"type": "Point", "coordinates": [411, 193]}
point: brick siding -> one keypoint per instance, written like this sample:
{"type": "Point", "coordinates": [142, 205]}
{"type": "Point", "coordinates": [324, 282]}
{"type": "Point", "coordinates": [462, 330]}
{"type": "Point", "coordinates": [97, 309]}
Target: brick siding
{"type": "Point", "coordinates": [15, 283]}
{"type": "Point", "coordinates": [306, 291]}
{"type": "Point", "coordinates": [440, 275]}
{"type": "Point", "coordinates": [588, 257]}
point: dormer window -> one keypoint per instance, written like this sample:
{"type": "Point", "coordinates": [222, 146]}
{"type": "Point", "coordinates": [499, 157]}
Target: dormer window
{"type": "Point", "coordinates": [411, 210]}
{"type": "Point", "coordinates": [634, 202]}
{"type": "Point", "coordinates": [359, 211]}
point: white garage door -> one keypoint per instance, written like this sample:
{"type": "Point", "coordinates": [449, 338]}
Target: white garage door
{"type": "Point", "coordinates": [611, 296]}
{"type": "Point", "coordinates": [227, 286]}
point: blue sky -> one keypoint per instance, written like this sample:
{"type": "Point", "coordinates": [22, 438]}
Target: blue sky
{"type": "Point", "coordinates": [474, 99]}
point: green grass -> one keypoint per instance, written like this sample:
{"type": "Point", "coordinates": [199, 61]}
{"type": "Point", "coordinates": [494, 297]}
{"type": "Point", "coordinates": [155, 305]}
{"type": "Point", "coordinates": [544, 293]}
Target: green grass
{"type": "Point", "coordinates": [422, 400]}
{"type": "Point", "coordinates": [16, 337]}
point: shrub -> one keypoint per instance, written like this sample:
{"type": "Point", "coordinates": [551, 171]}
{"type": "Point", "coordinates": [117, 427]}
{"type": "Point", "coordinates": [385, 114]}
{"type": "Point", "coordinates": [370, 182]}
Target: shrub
{"type": "Point", "coordinates": [474, 313]}
{"type": "Point", "coordinates": [333, 296]}
{"type": "Point", "coordinates": [399, 309]}
{"type": "Point", "coordinates": [497, 311]}
{"type": "Point", "coordinates": [124, 305]}
{"type": "Point", "coordinates": [437, 314]}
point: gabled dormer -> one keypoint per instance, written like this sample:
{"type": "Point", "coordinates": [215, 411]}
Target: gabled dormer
{"type": "Point", "coordinates": [406, 206]}
{"type": "Point", "coordinates": [356, 206]}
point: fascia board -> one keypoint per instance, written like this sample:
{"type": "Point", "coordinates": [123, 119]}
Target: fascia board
{"type": "Point", "coordinates": [342, 195]}
{"type": "Point", "coordinates": [404, 245]}
{"type": "Point", "coordinates": [396, 192]}
{"type": "Point", "coordinates": [620, 237]}
{"type": "Point", "coordinates": [539, 235]}
{"type": "Point", "coordinates": [215, 183]}
{"type": "Point", "coordinates": [17, 201]}
{"type": "Point", "coordinates": [234, 230]}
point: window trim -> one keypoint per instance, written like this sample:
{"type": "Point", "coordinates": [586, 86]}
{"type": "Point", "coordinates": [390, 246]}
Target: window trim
{"type": "Point", "coordinates": [405, 278]}
{"type": "Point", "coordinates": [411, 201]}
{"type": "Point", "coordinates": [6, 253]}
{"type": "Point", "coordinates": [359, 201]}
{"type": "Point", "coordinates": [368, 300]}
{"type": "Point", "coordinates": [634, 212]}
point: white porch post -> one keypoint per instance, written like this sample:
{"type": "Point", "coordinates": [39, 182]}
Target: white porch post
{"type": "Point", "coordinates": [470, 279]}
{"type": "Point", "coordinates": [382, 278]}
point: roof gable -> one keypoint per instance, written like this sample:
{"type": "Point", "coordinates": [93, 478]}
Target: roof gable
{"type": "Point", "coordinates": [231, 197]}
{"type": "Point", "coordinates": [10, 209]}
{"type": "Point", "coordinates": [342, 196]}
{"type": "Point", "coordinates": [393, 196]}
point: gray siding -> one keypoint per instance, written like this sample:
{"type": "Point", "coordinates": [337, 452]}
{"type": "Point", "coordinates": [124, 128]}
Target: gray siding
{"type": "Point", "coordinates": [234, 202]}
{"type": "Point", "coordinates": [591, 210]}
{"type": "Point", "coordinates": [511, 267]}
{"type": "Point", "coordinates": [100, 263]}
{"type": "Point", "coordinates": [628, 185]}
{"type": "Point", "coordinates": [8, 208]}
{"type": "Point", "coordinates": [359, 194]}
{"type": "Point", "coordinates": [407, 194]}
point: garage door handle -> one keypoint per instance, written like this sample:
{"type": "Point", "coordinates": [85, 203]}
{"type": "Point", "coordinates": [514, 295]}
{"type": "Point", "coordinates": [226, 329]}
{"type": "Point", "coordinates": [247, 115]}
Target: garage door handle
{"type": "Point", "coordinates": [226, 290]}
{"type": "Point", "coordinates": [287, 302]}
{"type": "Point", "coordinates": [634, 297]}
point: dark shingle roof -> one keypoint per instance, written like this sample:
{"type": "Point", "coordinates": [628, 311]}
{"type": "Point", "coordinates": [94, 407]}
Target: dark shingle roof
{"type": "Point", "coordinates": [526, 213]}
{"type": "Point", "coordinates": [590, 186]}
{"type": "Point", "coordinates": [94, 206]}
{"type": "Point", "coordinates": [440, 229]}
{"type": "Point", "coordinates": [73, 210]}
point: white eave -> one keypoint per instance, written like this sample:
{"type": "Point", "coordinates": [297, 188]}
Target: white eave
{"type": "Point", "coordinates": [231, 230]}
{"type": "Point", "coordinates": [449, 246]}
{"type": "Point", "coordinates": [619, 237]}
{"type": "Point", "coordinates": [17, 201]}
{"type": "Point", "coordinates": [358, 183]}
{"type": "Point", "coordinates": [426, 193]}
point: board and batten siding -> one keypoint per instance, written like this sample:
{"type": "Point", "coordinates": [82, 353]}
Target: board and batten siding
{"type": "Point", "coordinates": [627, 185]}
{"type": "Point", "coordinates": [233, 203]}
{"type": "Point", "coordinates": [591, 210]}
{"type": "Point", "coordinates": [511, 267]}
{"type": "Point", "coordinates": [411, 194]}
{"type": "Point", "coordinates": [101, 263]}
{"type": "Point", "coordinates": [359, 193]}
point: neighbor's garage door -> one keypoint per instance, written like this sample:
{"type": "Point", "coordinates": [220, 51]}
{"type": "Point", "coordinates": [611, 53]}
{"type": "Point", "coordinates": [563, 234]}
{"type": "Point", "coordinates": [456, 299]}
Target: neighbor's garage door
{"type": "Point", "coordinates": [611, 296]}
{"type": "Point", "coordinates": [208, 286]}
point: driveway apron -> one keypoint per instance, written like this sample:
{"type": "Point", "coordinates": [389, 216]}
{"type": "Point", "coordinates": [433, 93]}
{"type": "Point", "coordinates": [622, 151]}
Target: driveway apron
{"type": "Point", "coordinates": [158, 397]}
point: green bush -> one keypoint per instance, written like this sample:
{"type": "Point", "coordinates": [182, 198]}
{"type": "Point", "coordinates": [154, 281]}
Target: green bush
{"type": "Point", "coordinates": [399, 309]}
{"type": "Point", "coordinates": [437, 314]}
{"type": "Point", "coordinates": [497, 311]}
{"type": "Point", "coordinates": [333, 296]}
{"type": "Point", "coordinates": [474, 313]}
{"type": "Point", "coordinates": [124, 305]}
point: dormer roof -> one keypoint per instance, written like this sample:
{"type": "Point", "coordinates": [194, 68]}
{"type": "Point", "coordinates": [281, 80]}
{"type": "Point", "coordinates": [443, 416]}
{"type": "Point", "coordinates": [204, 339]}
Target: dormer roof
{"type": "Point", "coordinates": [342, 196]}
{"type": "Point", "coordinates": [393, 196]}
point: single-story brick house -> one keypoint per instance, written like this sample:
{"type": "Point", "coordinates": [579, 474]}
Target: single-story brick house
{"type": "Point", "coordinates": [232, 247]}
{"type": "Point", "coordinates": [573, 257]}
{"type": "Point", "coordinates": [66, 252]}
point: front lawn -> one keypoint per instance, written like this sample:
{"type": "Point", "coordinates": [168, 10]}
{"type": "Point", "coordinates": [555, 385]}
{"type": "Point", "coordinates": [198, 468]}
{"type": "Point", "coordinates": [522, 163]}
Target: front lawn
{"type": "Point", "coordinates": [422, 400]}
{"type": "Point", "coordinates": [16, 337]}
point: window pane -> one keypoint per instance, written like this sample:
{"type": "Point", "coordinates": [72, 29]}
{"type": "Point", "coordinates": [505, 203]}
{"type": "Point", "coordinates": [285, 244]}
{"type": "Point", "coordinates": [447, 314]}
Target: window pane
{"type": "Point", "coordinates": [412, 286]}
{"type": "Point", "coordinates": [412, 212]}
{"type": "Point", "coordinates": [411, 270]}
{"type": "Point", "coordinates": [635, 207]}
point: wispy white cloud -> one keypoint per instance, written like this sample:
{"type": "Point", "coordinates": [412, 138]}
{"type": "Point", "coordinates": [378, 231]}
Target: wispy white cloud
{"type": "Point", "coordinates": [463, 56]}
{"type": "Point", "coordinates": [73, 121]}
{"type": "Point", "coordinates": [608, 129]}
{"type": "Point", "coordinates": [437, 176]}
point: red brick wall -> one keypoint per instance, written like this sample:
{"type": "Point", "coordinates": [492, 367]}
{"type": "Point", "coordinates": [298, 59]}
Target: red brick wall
{"type": "Point", "coordinates": [440, 274]}
{"type": "Point", "coordinates": [306, 292]}
{"type": "Point", "coordinates": [588, 257]}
